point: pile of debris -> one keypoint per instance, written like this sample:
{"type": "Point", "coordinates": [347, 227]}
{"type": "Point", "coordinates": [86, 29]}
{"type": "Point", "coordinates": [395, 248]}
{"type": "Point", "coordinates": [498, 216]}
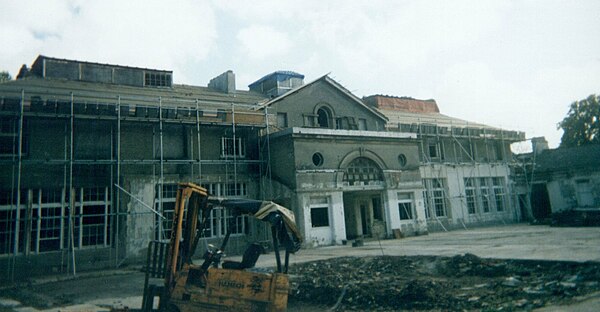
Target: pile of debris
{"type": "Point", "coordinates": [464, 282]}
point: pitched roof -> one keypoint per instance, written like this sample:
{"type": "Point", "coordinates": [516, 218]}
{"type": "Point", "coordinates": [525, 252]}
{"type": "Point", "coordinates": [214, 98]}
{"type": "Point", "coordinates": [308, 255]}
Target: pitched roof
{"type": "Point", "coordinates": [325, 78]}
{"type": "Point", "coordinates": [580, 157]}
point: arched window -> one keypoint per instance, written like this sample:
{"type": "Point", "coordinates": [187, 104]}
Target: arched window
{"type": "Point", "coordinates": [362, 169]}
{"type": "Point", "coordinates": [324, 117]}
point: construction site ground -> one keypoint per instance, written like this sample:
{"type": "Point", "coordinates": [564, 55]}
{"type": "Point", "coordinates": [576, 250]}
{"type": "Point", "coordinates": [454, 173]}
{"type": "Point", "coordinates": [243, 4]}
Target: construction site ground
{"type": "Point", "coordinates": [503, 268]}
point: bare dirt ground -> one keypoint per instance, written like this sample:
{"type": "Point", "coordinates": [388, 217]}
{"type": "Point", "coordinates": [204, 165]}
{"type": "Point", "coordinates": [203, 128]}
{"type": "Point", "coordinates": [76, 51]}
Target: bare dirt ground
{"type": "Point", "coordinates": [382, 283]}
{"type": "Point", "coordinates": [433, 283]}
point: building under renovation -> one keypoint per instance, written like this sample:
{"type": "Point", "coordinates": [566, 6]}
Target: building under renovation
{"type": "Point", "coordinates": [90, 157]}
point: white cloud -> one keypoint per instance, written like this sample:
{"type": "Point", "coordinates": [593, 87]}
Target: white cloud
{"type": "Point", "coordinates": [506, 63]}
{"type": "Point", "coordinates": [135, 33]}
{"type": "Point", "coordinates": [262, 42]}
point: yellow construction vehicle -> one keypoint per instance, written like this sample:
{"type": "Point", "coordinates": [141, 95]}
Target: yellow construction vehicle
{"type": "Point", "coordinates": [206, 286]}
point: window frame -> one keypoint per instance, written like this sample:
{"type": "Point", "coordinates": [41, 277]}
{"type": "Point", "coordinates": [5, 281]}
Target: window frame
{"type": "Point", "coordinates": [402, 202]}
{"type": "Point", "coordinates": [435, 197]}
{"type": "Point", "coordinates": [233, 147]}
{"type": "Point", "coordinates": [319, 203]}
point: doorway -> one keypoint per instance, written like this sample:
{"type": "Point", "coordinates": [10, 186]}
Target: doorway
{"type": "Point", "coordinates": [364, 215]}
{"type": "Point", "coordinates": [540, 201]}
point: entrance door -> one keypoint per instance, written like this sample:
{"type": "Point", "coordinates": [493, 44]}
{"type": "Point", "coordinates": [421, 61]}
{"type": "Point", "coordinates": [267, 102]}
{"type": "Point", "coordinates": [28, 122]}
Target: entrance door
{"type": "Point", "coordinates": [365, 217]}
{"type": "Point", "coordinates": [540, 201]}
{"type": "Point", "coordinates": [364, 214]}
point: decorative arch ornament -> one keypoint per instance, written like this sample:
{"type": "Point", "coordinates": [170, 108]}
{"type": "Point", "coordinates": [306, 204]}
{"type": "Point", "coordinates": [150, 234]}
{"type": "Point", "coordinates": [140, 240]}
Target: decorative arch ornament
{"type": "Point", "coordinates": [362, 166]}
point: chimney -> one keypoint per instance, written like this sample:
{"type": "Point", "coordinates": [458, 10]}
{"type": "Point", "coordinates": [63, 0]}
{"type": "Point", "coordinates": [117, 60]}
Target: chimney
{"type": "Point", "coordinates": [225, 82]}
{"type": "Point", "coordinates": [538, 145]}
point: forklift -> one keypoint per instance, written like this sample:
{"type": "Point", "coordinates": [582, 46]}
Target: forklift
{"type": "Point", "coordinates": [206, 286]}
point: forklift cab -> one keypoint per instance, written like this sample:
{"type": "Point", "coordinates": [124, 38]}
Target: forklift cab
{"type": "Point", "coordinates": [207, 286]}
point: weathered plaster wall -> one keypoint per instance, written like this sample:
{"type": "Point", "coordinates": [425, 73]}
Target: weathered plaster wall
{"type": "Point", "coordinates": [580, 190]}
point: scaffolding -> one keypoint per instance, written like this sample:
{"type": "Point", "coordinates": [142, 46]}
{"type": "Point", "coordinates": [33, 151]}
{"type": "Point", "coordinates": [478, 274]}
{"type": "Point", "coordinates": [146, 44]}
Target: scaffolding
{"type": "Point", "coordinates": [429, 129]}
{"type": "Point", "coordinates": [71, 107]}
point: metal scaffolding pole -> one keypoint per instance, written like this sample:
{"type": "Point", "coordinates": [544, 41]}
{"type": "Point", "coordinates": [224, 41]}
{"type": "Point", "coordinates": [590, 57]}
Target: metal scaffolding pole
{"type": "Point", "coordinates": [72, 193]}
{"type": "Point", "coordinates": [234, 148]}
{"type": "Point", "coordinates": [198, 138]}
{"type": "Point", "coordinates": [18, 207]}
{"type": "Point", "coordinates": [118, 195]}
{"type": "Point", "coordinates": [112, 192]}
{"type": "Point", "coordinates": [162, 169]}
{"type": "Point", "coordinates": [268, 153]}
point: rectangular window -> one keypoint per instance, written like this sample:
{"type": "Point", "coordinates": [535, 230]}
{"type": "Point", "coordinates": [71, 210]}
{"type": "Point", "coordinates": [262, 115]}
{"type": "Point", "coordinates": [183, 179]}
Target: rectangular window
{"type": "Point", "coordinates": [319, 211]}
{"type": "Point", "coordinates": [433, 151]}
{"type": "Point", "coordinates": [427, 205]}
{"type": "Point", "coordinates": [362, 124]}
{"type": "Point", "coordinates": [231, 147]}
{"type": "Point", "coordinates": [282, 121]}
{"type": "Point", "coordinates": [237, 224]}
{"type": "Point", "coordinates": [168, 196]}
{"type": "Point", "coordinates": [53, 219]}
{"type": "Point", "coordinates": [236, 190]}
{"type": "Point", "coordinates": [499, 192]}
{"type": "Point", "coordinates": [470, 195]}
{"type": "Point", "coordinates": [155, 79]}
{"type": "Point", "coordinates": [436, 196]}
{"type": "Point", "coordinates": [47, 227]}
{"type": "Point", "coordinates": [405, 206]}
{"type": "Point", "coordinates": [95, 211]}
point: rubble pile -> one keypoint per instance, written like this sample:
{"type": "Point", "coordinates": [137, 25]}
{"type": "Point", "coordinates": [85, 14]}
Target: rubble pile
{"type": "Point", "coordinates": [464, 282]}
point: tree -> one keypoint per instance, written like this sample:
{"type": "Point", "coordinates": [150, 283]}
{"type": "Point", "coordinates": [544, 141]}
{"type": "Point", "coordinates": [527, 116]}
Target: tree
{"type": "Point", "coordinates": [581, 126]}
{"type": "Point", "coordinates": [4, 76]}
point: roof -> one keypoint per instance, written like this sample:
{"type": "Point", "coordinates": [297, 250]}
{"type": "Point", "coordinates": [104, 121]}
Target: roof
{"type": "Point", "coordinates": [105, 92]}
{"type": "Point", "coordinates": [280, 75]}
{"type": "Point", "coordinates": [41, 58]}
{"type": "Point", "coordinates": [402, 103]}
{"type": "Point", "coordinates": [580, 157]}
{"type": "Point", "coordinates": [336, 85]}
{"type": "Point", "coordinates": [405, 117]}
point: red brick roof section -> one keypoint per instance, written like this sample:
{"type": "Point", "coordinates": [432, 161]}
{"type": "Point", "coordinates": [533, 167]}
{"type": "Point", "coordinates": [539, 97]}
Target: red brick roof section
{"type": "Point", "coordinates": [402, 104]}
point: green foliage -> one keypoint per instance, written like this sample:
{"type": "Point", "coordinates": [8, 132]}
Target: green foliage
{"type": "Point", "coordinates": [581, 126]}
{"type": "Point", "coordinates": [4, 76]}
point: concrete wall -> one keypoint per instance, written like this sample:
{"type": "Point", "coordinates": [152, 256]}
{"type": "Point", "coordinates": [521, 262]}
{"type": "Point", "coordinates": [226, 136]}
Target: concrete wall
{"type": "Point", "coordinates": [580, 190]}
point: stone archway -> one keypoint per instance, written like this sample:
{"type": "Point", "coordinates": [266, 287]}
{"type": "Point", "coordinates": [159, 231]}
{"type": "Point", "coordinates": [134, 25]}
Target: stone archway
{"type": "Point", "coordinates": [364, 213]}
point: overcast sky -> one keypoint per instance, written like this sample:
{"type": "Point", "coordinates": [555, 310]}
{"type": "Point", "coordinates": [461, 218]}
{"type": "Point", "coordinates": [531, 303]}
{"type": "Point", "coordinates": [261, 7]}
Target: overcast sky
{"type": "Point", "coordinates": [512, 64]}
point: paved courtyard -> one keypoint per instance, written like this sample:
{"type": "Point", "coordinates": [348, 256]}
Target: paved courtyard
{"type": "Point", "coordinates": [503, 242]}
